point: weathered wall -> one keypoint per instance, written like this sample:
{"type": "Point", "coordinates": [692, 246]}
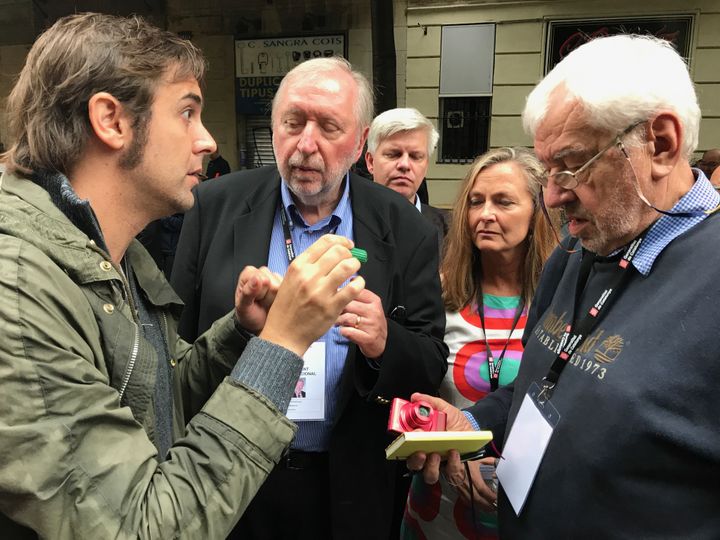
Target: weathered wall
{"type": "Point", "coordinates": [519, 60]}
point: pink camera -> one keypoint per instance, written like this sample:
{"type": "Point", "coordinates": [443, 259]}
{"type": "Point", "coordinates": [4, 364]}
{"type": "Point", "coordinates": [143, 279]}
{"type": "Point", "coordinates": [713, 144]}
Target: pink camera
{"type": "Point", "coordinates": [407, 416]}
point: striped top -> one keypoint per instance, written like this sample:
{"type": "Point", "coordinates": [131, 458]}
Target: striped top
{"type": "Point", "coordinates": [437, 511]}
{"type": "Point", "coordinates": [468, 378]}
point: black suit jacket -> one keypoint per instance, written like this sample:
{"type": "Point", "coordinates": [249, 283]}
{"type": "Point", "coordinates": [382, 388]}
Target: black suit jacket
{"type": "Point", "coordinates": [230, 227]}
{"type": "Point", "coordinates": [439, 218]}
{"type": "Point", "coordinates": [436, 216]}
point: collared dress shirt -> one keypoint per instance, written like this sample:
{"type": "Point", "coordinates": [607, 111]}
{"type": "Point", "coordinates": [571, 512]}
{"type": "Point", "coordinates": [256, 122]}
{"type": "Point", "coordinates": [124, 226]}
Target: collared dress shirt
{"type": "Point", "coordinates": [313, 436]}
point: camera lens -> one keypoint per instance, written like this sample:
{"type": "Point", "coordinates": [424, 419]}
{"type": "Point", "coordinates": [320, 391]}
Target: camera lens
{"type": "Point", "coordinates": [417, 415]}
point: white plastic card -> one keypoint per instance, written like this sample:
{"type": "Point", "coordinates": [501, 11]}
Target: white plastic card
{"type": "Point", "coordinates": [525, 446]}
{"type": "Point", "coordinates": [308, 402]}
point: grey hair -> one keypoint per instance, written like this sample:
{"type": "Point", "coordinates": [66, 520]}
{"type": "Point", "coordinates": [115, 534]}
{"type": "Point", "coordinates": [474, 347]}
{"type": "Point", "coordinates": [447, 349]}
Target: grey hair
{"type": "Point", "coordinates": [619, 80]}
{"type": "Point", "coordinates": [394, 121]}
{"type": "Point", "coordinates": [312, 70]}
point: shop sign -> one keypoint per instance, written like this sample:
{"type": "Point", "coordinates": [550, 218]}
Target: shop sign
{"type": "Point", "coordinates": [260, 65]}
{"type": "Point", "coordinates": [564, 36]}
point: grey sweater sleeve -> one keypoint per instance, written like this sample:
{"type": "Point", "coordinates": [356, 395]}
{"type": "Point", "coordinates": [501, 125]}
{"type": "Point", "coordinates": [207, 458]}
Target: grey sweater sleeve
{"type": "Point", "coordinates": [269, 369]}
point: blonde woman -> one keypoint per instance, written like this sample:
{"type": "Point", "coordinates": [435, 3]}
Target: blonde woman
{"type": "Point", "coordinates": [494, 252]}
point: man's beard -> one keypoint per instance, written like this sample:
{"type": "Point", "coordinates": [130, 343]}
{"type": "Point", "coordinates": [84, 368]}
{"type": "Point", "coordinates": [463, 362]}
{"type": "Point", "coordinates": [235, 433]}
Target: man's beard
{"type": "Point", "coordinates": [132, 157]}
{"type": "Point", "coordinates": [620, 218]}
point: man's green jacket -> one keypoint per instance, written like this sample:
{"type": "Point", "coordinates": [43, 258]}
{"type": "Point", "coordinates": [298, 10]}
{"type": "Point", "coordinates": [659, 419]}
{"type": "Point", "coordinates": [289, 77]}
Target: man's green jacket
{"type": "Point", "coordinates": [77, 412]}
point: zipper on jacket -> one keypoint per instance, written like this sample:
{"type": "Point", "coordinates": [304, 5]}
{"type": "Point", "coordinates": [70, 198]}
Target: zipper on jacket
{"type": "Point", "coordinates": [131, 363]}
{"type": "Point", "coordinates": [136, 324]}
{"type": "Point", "coordinates": [135, 319]}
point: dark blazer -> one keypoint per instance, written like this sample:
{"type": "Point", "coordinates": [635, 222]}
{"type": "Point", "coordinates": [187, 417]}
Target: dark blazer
{"type": "Point", "coordinates": [437, 216]}
{"type": "Point", "coordinates": [229, 228]}
{"type": "Point", "coordinates": [440, 219]}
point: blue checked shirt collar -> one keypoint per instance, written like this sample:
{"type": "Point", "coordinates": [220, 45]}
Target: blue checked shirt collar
{"type": "Point", "coordinates": [702, 196]}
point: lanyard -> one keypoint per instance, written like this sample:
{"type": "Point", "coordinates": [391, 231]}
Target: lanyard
{"type": "Point", "coordinates": [289, 246]}
{"type": "Point", "coordinates": [577, 331]}
{"type": "Point", "coordinates": [494, 367]}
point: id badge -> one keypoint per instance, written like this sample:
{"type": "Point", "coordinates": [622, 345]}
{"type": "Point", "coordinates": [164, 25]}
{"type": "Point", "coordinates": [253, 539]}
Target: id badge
{"type": "Point", "coordinates": [526, 445]}
{"type": "Point", "coordinates": [308, 401]}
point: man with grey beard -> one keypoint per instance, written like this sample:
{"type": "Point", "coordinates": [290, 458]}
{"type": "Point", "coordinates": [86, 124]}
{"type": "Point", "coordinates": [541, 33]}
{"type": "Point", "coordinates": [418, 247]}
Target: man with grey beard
{"type": "Point", "coordinates": [387, 343]}
{"type": "Point", "coordinates": [611, 429]}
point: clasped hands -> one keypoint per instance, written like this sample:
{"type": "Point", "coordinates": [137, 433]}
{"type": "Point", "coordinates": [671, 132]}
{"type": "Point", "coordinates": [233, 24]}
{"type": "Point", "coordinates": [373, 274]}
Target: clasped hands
{"type": "Point", "coordinates": [431, 466]}
{"type": "Point", "coordinates": [296, 310]}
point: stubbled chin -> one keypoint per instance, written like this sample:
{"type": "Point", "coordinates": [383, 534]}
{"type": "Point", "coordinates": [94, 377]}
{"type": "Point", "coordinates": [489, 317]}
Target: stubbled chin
{"type": "Point", "coordinates": [303, 185]}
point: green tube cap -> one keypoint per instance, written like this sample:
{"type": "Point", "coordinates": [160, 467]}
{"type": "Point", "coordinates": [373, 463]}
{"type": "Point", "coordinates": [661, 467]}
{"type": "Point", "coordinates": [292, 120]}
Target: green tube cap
{"type": "Point", "coordinates": [359, 254]}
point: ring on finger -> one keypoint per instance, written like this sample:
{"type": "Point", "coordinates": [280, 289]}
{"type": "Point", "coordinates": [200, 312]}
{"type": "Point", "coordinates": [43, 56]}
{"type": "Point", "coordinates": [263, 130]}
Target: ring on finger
{"type": "Point", "coordinates": [358, 320]}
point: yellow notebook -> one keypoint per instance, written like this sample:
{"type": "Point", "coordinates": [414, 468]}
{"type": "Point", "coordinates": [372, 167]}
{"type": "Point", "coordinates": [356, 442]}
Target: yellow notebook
{"type": "Point", "coordinates": [465, 442]}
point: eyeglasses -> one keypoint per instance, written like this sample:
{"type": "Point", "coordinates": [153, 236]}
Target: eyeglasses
{"type": "Point", "coordinates": [569, 179]}
{"type": "Point", "coordinates": [616, 141]}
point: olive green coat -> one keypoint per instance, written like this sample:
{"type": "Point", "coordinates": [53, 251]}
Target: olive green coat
{"type": "Point", "coordinates": [77, 459]}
